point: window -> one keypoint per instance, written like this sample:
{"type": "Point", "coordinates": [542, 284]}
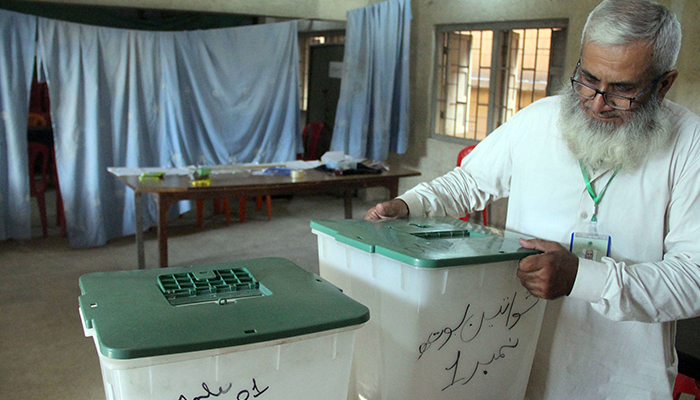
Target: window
{"type": "Point", "coordinates": [304, 43]}
{"type": "Point", "coordinates": [485, 73]}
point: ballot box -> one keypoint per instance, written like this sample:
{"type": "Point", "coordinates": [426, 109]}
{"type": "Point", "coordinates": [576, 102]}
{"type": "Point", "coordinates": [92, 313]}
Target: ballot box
{"type": "Point", "coordinates": [253, 329]}
{"type": "Point", "coordinates": [450, 318]}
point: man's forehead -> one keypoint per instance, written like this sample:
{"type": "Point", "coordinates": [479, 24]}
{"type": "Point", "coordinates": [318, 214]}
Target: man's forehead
{"type": "Point", "coordinates": [628, 63]}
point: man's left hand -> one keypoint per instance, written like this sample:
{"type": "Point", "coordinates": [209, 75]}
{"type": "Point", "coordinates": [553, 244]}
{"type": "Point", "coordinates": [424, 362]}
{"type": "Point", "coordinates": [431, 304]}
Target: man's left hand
{"type": "Point", "coordinates": [549, 275]}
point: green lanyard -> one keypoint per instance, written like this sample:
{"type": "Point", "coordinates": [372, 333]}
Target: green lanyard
{"type": "Point", "coordinates": [596, 198]}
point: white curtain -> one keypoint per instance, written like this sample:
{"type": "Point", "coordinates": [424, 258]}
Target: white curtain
{"type": "Point", "coordinates": [372, 115]}
{"type": "Point", "coordinates": [137, 98]}
{"type": "Point", "coordinates": [17, 48]}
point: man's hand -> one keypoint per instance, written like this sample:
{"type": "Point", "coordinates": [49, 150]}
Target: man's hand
{"type": "Point", "coordinates": [388, 210]}
{"type": "Point", "coordinates": [549, 275]}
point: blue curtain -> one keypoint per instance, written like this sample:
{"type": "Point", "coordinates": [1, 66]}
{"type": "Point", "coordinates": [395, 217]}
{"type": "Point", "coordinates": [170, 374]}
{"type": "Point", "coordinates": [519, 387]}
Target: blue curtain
{"type": "Point", "coordinates": [372, 115]}
{"type": "Point", "coordinates": [17, 48]}
{"type": "Point", "coordinates": [135, 99]}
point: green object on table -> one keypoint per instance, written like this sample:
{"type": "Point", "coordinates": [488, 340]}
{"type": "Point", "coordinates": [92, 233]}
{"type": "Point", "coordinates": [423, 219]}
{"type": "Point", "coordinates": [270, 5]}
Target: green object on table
{"type": "Point", "coordinates": [151, 176]}
{"type": "Point", "coordinates": [200, 174]}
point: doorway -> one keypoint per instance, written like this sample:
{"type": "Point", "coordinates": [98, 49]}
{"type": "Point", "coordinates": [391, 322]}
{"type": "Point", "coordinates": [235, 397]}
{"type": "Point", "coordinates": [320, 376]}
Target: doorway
{"type": "Point", "coordinates": [325, 72]}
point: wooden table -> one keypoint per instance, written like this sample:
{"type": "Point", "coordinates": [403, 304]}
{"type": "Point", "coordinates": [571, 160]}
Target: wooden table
{"type": "Point", "coordinates": [174, 188]}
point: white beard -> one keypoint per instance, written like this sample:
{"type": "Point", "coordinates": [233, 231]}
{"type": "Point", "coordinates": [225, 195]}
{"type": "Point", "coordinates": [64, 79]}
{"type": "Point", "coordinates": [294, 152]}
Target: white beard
{"type": "Point", "coordinates": [603, 145]}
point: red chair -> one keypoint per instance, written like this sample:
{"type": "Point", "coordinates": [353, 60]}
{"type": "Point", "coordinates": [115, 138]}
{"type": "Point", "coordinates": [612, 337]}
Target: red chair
{"type": "Point", "coordinates": [200, 210]}
{"type": "Point", "coordinates": [39, 157]}
{"type": "Point", "coordinates": [60, 213]}
{"type": "Point", "coordinates": [227, 210]}
{"type": "Point", "coordinates": [258, 206]}
{"type": "Point", "coordinates": [36, 120]}
{"type": "Point", "coordinates": [686, 385]}
{"type": "Point", "coordinates": [310, 137]}
{"type": "Point", "coordinates": [460, 156]}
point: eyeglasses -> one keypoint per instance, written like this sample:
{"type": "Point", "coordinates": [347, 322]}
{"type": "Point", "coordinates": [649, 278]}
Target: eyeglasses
{"type": "Point", "coordinates": [615, 101]}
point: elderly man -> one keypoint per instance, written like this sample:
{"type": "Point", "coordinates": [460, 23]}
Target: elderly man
{"type": "Point", "coordinates": [606, 175]}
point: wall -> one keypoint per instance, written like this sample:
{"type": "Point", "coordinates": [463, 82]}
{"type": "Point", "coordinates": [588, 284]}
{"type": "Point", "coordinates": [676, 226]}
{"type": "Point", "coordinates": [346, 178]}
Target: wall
{"type": "Point", "coordinates": [307, 9]}
{"type": "Point", "coordinates": [433, 157]}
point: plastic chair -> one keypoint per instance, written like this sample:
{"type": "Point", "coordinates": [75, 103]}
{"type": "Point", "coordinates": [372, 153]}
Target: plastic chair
{"type": "Point", "coordinates": [310, 137]}
{"type": "Point", "coordinates": [60, 213]}
{"type": "Point", "coordinates": [36, 120]}
{"type": "Point", "coordinates": [460, 156]}
{"type": "Point", "coordinates": [227, 210]}
{"type": "Point", "coordinates": [38, 153]}
{"type": "Point", "coordinates": [217, 210]}
{"type": "Point", "coordinates": [258, 206]}
{"type": "Point", "coordinates": [686, 385]}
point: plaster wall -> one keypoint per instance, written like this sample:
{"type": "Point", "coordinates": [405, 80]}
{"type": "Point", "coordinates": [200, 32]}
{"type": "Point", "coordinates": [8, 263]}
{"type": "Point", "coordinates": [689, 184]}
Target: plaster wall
{"type": "Point", "coordinates": [305, 9]}
{"type": "Point", "coordinates": [432, 156]}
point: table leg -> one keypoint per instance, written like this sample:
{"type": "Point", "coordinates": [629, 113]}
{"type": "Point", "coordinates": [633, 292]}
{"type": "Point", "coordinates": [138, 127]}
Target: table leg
{"type": "Point", "coordinates": [138, 210]}
{"type": "Point", "coordinates": [163, 207]}
{"type": "Point", "coordinates": [348, 203]}
{"type": "Point", "coordinates": [393, 188]}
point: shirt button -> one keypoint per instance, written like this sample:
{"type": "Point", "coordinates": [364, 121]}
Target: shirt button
{"type": "Point", "coordinates": [584, 215]}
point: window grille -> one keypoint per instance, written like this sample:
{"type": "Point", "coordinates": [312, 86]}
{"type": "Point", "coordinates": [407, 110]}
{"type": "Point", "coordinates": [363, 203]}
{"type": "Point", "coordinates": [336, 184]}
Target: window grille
{"type": "Point", "coordinates": [484, 76]}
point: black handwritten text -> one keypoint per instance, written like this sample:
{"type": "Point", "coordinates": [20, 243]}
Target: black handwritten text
{"type": "Point", "coordinates": [242, 395]}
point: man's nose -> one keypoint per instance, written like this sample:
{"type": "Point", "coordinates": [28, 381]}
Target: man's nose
{"type": "Point", "coordinates": [598, 104]}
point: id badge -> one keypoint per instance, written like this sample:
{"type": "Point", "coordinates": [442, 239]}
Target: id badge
{"type": "Point", "coordinates": [590, 246]}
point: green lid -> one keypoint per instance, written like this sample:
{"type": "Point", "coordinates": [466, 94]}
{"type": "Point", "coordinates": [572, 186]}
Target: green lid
{"type": "Point", "coordinates": [147, 313]}
{"type": "Point", "coordinates": [427, 242]}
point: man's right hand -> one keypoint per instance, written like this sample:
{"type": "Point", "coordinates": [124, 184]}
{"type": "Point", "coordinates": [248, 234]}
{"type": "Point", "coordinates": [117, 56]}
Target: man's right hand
{"type": "Point", "coordinates": [391, 209]}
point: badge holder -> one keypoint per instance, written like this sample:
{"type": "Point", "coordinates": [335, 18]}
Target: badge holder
{"type": "Point", "coordinates": [590, 246]}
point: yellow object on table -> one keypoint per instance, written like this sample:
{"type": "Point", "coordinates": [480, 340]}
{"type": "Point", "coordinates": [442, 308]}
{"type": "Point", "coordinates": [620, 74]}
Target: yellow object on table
{"type": "Point", "coordinates": [201, 182]}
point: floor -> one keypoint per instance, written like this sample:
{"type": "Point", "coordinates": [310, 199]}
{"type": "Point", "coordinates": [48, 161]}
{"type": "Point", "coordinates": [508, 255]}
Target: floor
{"type": "Point", "coordinates": [43, 352]}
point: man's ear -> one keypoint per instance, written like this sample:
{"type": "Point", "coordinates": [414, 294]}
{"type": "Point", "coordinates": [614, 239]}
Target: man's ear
{"type": "Point", "coordinates": [666, 83]}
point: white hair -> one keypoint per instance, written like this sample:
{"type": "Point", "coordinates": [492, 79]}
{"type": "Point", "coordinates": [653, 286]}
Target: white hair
{"type": "Point", "coordinates": [623, 22]}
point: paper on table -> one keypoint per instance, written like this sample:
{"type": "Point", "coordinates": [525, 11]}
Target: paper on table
{"type": "Point", "coordinates": [126, 171]}
{"type": "Point", "coordinates": [299, 164]}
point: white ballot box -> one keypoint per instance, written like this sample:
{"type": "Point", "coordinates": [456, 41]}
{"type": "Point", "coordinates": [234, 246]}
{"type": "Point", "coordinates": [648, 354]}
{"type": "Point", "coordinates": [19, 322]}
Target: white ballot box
{"type": "Point", "coordinates": [450, 318]}
{"type": "Point", "coordinates": [256, 329]}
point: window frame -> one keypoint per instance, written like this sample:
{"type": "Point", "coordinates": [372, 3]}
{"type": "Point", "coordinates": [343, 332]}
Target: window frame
{"type": "Point", "coordinates": [555, 76]}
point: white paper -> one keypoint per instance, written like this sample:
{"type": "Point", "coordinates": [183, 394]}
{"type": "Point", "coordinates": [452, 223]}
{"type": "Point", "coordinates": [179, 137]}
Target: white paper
{"type": "Point", "coordinates": [126, 171]}
{"type": "Point", "coordinates": [335, 69]}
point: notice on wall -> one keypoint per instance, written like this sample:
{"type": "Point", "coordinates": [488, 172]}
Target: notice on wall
{"type": "Point", "coordinates": [335, 69]}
